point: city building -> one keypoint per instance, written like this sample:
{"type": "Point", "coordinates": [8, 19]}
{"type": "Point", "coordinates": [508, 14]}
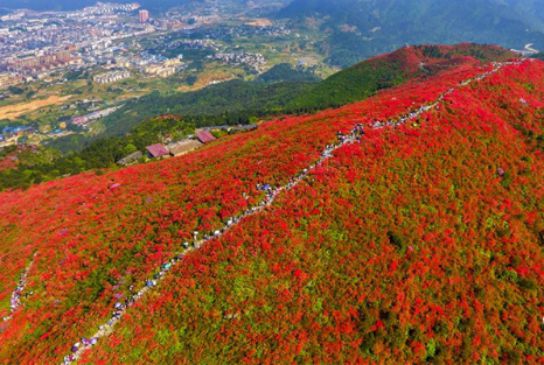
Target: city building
{"type": "Point", "coordinates": [84, 120]}
{"type": "Point", "coordinates": [42, 62]}
{"type": "Point", "coordinates": [164, 69]}
{"type": "Point", "coordinates": [144, 16]}
{"type": "Point", "coordinates": [111, 77]}
{"type": "Point", "coordinates": [160, 70]}
{"type": "Point", "coordinates": [131, 159]}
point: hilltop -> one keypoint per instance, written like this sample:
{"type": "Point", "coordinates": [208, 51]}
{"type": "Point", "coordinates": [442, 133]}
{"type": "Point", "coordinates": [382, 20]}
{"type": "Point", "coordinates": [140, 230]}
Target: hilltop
{"type": "Point", "coordinates": [367, 77]}
{"type": "Point", "coordinates": [407, 227]}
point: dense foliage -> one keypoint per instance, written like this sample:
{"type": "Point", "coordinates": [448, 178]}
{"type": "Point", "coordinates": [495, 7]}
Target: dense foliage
{"type": "Point", "coordinates": [421, 243]}
{"type": "Point", "coordinates": [408, 248]}
{"type": "Point", "coordinates": [8, 158]}
{"type": "Point", "coordinates": [231, 102]}
{"type": "Point", "coordinates": [284, 72]}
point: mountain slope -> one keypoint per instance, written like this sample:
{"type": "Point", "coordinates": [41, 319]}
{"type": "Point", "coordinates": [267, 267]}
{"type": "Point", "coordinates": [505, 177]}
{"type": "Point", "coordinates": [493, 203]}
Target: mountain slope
{"type": "Point", "coordinates": [381, 255]}
{"type": "Point", "coordinates": [408, 247]}
{"type": "Point", "coordinates": [421, 242]}
{"type": "Point", "coordinates": [362, 28]}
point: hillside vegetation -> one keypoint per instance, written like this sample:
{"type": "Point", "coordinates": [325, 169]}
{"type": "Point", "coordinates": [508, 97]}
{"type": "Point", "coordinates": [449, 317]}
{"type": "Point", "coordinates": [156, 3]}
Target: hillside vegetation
{"type": "Point", "coordinates": [366, 78]}
{"type": "Point", "coordinates": [419, 242]}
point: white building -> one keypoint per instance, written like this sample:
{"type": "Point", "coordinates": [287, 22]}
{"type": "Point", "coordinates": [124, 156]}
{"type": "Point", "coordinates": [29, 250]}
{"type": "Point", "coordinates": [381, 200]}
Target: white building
{"type": "Point", "coordinates": [111, 77]}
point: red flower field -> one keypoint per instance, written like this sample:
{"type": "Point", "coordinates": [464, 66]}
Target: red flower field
{"type": "Point", "coordinates": [422, 242]}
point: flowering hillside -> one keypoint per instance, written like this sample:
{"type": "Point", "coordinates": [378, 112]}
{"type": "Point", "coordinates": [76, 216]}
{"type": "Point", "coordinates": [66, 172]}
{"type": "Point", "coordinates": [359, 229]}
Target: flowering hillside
{"type": "Point", "coordinates": [405, 228]}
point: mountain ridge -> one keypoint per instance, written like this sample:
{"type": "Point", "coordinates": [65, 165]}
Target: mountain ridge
{"type": "Point", "coordinates": [365, 78]}
{"type": "Point", "coordinates": [344, 261]}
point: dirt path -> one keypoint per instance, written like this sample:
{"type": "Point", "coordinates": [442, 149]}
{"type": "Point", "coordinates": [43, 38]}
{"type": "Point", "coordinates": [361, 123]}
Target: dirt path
{"type": "Point", "coordinates": [15, 111]}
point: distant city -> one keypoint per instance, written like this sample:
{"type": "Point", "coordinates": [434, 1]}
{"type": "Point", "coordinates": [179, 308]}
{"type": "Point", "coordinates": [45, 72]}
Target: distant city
{"type": "Point", "coordinates": [34, 45]}
{"type": "Point", "coordinates": [109, 43]}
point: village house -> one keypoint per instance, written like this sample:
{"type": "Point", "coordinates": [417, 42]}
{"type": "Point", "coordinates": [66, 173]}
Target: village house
{"type": "Point", "coordinates": [205, 136]}
{"type": "Point", "coordinates": [131, 159]}
{"type": "Point", "coordinates": [157, 151]}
